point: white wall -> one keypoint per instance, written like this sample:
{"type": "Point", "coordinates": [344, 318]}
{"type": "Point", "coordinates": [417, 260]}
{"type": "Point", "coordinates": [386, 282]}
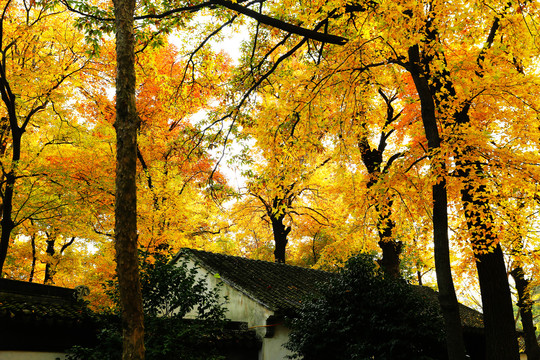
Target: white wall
{"type": "Point", "coordinates": [241, 307]}
{"type": "Point", "coordinates": [272, 348]}
{"type": "Point", "coordinates": [31, 355]}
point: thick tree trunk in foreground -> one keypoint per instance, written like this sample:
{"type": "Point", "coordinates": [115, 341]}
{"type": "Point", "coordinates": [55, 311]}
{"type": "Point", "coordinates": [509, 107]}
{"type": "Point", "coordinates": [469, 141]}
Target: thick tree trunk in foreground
{"type": "Point", "coordinates": [391, 248]}
{"type": "Point", "coordinates": [390, 261]}
{"type": "Point", "coordinates": [499, 324]}
{"type": "Point", "coordinates": [525, 310]}
{"type": "Point", "coordinates": [447, 294]}
{"type": "Point", "coordinates": [126, 191]}
{"type": "Point", "coordinates": [445, 283]}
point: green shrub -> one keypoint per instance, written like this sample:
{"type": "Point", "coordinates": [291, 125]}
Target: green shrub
{"type": "Point", "coordinates": [169, 292]}
{"type": "Point", "coordinates": [362, 315]}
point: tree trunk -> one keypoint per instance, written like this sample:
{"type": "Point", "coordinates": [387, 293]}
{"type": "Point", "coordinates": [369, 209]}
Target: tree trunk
{"type": "Point", "coordinates": [34, 259]}
{"type": "Point", "coordinates": [7, 205]}
{"type": "Point", "coordinates": [126, 125]}
{"type": "Point", "coordinates": [447, 294]}
{"type": "Point", "coordinates": [7, 222]}
{"type": "Point", "coordinates": [499, 325]}
{"type": "Point", "coordinates": [391, 248]}
{"type": "Point", "coordinates": [9, 100]}
{"type": "Point", "coordinates": [525, 309]}
{"type": "Point", "coordinates": [280, 238]}
{"type": "Point", "coordinates": [50, 266]}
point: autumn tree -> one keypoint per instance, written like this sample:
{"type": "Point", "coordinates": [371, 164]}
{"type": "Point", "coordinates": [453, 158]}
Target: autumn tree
{"type": "Point", "coordinates": [372, 157]}
{"type": "Point", "coordinates": [284, 183]}
{"type": "Point", "coordinates": [35, 39]}
{"type": "Point", "coordinates": [441, 100]}
{"type": "Point", "coordinates": [413, 37]}
{"type": "Point", "coordinates": [126, 131]}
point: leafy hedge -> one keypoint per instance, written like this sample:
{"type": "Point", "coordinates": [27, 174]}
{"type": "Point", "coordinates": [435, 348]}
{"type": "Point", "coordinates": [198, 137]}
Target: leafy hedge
{"type": "Point", "coordinates": [360, 314]}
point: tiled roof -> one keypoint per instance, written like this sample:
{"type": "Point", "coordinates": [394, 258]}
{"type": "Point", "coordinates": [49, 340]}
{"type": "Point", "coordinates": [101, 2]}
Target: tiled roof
{"type": "Point", "coordinates": [23, 299]}
{"type": "Point", "coordinates": [470, 318]}
{"type": "Point", "coordinates": [281, 287]}
{"type": "Point", "coordinates": [38, 317]}
{"type": "Point", "coordinates": [278, 287]}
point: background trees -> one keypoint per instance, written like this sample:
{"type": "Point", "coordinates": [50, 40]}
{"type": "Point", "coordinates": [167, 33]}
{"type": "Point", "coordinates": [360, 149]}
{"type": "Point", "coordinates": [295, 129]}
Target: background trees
{"type": "Point", "coordinates": [38, 70]}
{"type": "Point", "coordinates": [425, 120]}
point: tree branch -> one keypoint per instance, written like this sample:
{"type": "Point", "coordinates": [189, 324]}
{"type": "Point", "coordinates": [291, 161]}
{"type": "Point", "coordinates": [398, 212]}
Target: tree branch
{"type": "Point", "coordinates": [294, 29]}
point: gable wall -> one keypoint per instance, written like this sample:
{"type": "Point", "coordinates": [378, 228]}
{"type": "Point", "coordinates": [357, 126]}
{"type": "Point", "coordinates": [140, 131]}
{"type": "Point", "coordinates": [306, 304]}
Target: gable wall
{"type": "Point", "coordinates": [239, 307]}
{"type": "Point", "coordinates": [273, 347]}
{"type": "Point", "coordinates": [242, 308]}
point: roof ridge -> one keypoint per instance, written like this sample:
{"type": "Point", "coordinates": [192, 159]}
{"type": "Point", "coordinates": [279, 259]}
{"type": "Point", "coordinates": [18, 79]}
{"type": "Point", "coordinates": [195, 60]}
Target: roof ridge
{"type": "Point", "coordinates": [10, 286]}
{"type": "Point", "coordinates": [192, 250]}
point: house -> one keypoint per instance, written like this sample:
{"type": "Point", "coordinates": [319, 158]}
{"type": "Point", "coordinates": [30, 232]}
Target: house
{"type": "Point", "coordinates": [41, 321]}
{"type": "Point", "coordinates": [259, 293]}
{"type": "Point", "coordinates": [263, 293]}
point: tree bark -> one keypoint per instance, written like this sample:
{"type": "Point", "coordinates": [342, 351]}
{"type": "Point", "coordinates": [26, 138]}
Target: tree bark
{"type": "Point", "coordinates": [499, 324]}
{"type": "Point", "coordinates": [447, 294]}
{"type": "Point", "coordinates": [50, 267]}
{"type": "Point", "coordinates": [34, 258]}
{"type": "Point", "coordinates": [7, 201]}
{"type": "Point", "coordinates": [126, 125]}
{"type": "Point", "coordinates": [525, 310]}
{"type": "Point", "coordinates": [280, 237]}
{"type": "Point", "coordinates": [391, 250]}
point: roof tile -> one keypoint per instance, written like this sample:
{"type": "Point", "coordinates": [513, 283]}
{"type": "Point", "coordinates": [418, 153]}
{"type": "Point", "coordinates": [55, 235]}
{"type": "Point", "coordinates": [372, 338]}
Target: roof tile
{"type": "Point", "coordinates": [281, 287]}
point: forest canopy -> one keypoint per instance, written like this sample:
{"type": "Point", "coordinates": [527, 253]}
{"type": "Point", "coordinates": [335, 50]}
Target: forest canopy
{"type": "Point", "coordinates": [405, 129]}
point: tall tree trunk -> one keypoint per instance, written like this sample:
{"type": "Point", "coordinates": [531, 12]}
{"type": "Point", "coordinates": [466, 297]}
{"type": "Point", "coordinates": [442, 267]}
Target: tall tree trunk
{"type": "Point", "coordinates": [447, 294]}
{"type": "Point", "coordinates": [9, 100]}
{"type": "Point", "coordinates": [525, 310]}
{"type": "Point", "coordinates": [501, 337]}
{"type": "Point", "coordinates": [499, 324]}
{"type": "Point", "coordinates": [126, 191]}
{"type": "Point", "coordinates": [7, 201]}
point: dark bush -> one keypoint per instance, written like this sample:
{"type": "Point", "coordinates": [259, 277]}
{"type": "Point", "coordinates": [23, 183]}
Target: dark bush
{"type": "Point", "coordinates": [360, 314]}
